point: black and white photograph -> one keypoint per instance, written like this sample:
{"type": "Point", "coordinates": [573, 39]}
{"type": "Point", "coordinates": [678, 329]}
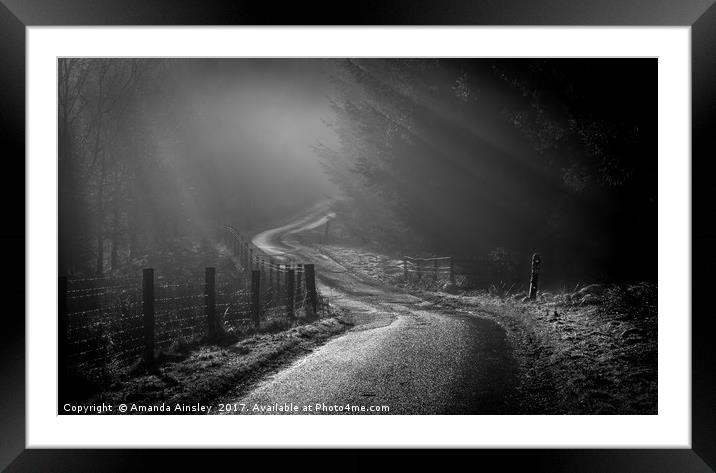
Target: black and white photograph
{"type": "Point", "coordinates": [358, 235]}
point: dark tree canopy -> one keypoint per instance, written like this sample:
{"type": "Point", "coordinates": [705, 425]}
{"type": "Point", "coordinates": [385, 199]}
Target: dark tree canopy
{"type": "Point", "coordinates": [551, 155]}
{"type": "Point", "coordinates": [465, 157]}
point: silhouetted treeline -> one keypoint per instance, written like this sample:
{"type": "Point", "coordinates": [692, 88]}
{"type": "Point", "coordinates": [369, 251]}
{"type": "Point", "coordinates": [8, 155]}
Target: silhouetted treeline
{"type": "Point", "coordinates": [468, 157]}
{"type": "Point", "coordinates": [557, 156]}
{"type": "Point", "coordinates": [155, 153]}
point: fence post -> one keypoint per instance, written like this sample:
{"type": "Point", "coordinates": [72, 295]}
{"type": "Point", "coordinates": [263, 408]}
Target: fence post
{"type": "Point", "coordinates": [435, 269]}
{"type": "Point", "coordinates": [148, 310]}
{"type": "Point", "coordinates": [310, 270]}
{"type": "Point", "coordinates": [255, 296]}
{"type": "Point", "coordinates": [299, 278]}
{"type": "Point", "coordinates": [262, 269]}
{"type": "Point", "coordinates": [290, 276]}
{"type": "Point", "coordinates": [452, 271]}
{"type": "Point", "coordinates": [405, 269]}
{"type": "Point", "coordinates": [420, 270]}
{"type": "Point", "coordinates": [210, 301]}
{"type": "Point", "coordinates": [534, 277]}
{"type": "Point", "coordinates": [62, 360]}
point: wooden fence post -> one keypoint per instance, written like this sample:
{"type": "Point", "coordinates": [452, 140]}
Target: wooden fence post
{"type": "Point", "coordinates": [290, 299]}
{"type": "Point", "coordinates": [148, 311]}
{"type": "Point", "coordinates": [255, 297]}
{"type": "Point", "coordinates": [435, 269]}
{"type": "Point", "coordinates": [210, 302]}
{"type": "Point", "coordinates": [62, 342]}
{"type": "Point", "coordinates": [405, 269]}
{"type": "Point", "coordinates": [534, 277]}
{"type": "Point", "coordinates": [452, 271]}
{"type": "Point", "coordinates": [299, 278]}
{"type": "Point", "coordinates": [262, 269]}
{"type": "Point", "coordinates": [310, 270]}
{"type": "Point", "coordinates": [420, 270]}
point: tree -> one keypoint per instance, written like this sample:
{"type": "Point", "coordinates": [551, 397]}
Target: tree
{"type": "Point", "coordinates": [72, 76]}
{"type": "Point", "coordinates": [474, 155]}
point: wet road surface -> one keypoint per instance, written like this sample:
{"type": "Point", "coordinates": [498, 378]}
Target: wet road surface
{"type": "Point", "coordinates": [400, 354]}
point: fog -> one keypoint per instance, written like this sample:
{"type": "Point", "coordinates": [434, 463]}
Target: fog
{"type": "Point", "coordinates": [432, 156]}
{"type": "Point", "coordinates": [253, 126]}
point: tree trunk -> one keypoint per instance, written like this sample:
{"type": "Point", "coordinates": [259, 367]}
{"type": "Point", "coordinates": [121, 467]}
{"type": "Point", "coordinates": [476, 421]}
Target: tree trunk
{"type": "Point", "coordinates": [99, 267]}
{"type": "Point", "coordinates": [100, 222]}
{"type": "Point", "coordinates": [114, 257]}
{"type": "Point", "coordinates": [64, 165]}
{"type": "Point", "coordinates": [64, 203]}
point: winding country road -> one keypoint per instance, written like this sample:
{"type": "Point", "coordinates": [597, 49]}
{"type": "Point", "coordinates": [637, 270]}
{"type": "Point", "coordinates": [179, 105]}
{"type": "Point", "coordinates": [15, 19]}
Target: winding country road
{"type": "Point", "coordinates": [400, 354]}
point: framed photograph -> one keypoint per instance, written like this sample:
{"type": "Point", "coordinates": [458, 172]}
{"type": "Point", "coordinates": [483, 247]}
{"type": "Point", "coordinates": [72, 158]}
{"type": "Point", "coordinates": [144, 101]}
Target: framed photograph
{"type": "Point", "coordinates": [455, 228]}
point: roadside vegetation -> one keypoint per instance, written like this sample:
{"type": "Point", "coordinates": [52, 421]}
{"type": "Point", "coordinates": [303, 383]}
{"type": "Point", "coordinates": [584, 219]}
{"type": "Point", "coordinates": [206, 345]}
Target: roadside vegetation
{"type": "Point", "coordinates": [593, 351]}
{"type": "Point", "coordinates": [588, 349]}
{"type": "Point", "coordinates": [191, 374]}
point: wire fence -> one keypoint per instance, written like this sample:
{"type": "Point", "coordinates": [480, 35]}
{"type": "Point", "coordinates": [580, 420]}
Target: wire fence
{"type": "Point", "coordinates": [103, 319]}
{"type": "Point", "coordinates": [461, 272]}
{"type": "Point", "coordinates": [114, 321]}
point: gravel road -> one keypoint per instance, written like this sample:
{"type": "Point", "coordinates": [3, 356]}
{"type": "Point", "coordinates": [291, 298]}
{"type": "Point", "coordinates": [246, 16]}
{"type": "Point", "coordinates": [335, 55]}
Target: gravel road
{"type": "Point", "coordinates": [400, 354]}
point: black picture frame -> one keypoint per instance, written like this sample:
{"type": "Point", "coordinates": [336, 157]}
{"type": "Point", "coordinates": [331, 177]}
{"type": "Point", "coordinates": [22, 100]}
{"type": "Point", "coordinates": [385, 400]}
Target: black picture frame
{"type": "Point", "coordinates": [16, 15]}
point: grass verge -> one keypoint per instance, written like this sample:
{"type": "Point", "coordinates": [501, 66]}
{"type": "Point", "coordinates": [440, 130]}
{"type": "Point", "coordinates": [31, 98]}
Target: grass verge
{"type": "Point", "coordinates": [596, 358]}
{"type": "Point", "coordinates": [203, 374]}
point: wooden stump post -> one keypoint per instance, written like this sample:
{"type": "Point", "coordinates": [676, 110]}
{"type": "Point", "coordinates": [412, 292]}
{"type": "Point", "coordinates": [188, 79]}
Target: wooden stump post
{"type": "Point", "coordinates": [255, 299]}
{"type": "Point", "coordinates": [262, 268]}
{"type": "Point", "coordinates": [452, 271]}
{"type": "Point", "coordinates": [210, 302]}
{"type": "Point", "coordinates": [311, 293]}
{"type": "Point", "coordinates": [62, 342]}
{"type": "Point", "coordinates": [299, 278]}
{"type": "Point", "coordinates": [290, 299]}
{"type": "Point", "coordinates": [148, 311]}
{"type": "Point", "coordinates": [534, 277]}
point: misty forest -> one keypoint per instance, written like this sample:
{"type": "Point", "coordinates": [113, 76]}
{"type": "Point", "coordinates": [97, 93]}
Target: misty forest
{"type": "Point", "coordinates": [342, 236]}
